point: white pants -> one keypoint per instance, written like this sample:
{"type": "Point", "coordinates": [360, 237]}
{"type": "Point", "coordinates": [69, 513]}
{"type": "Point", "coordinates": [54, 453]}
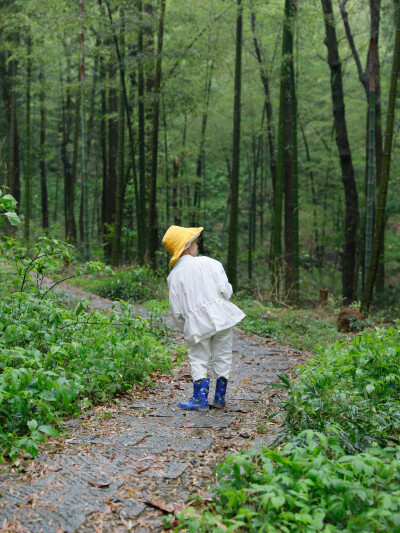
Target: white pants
{"type": "Point", "coordinates": [219, 347]}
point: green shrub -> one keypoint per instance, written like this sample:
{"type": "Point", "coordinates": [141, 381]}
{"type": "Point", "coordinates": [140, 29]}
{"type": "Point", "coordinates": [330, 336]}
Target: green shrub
{"type": "Point", "coordinates": [300, 489]}
{"type": "Point", "coordinates": [301, 329]}
{"type": "Point", "coordinates": [54, 361]}
{"type": "Point", "coordinates": [134, 284]}
{"type": "Point", "coordinates": [352, 391]}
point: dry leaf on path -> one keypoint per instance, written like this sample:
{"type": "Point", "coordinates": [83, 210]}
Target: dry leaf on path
{"type": "Point", "coordinates": [100, 484]}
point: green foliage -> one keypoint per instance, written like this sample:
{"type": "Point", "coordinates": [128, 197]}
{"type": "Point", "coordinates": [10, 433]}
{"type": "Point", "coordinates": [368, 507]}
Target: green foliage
{"type": "Point", "coordinates": [135, 284]}
{"type": "Point", "coordinates": [352, 392]}
{"type": "Point", "coordinates": [301, 329]}
{"type": "Point", "coordinates": [44, 259]}
{"type": "Point", "coordinates": [300, 489]}
{"type": "Point", "coordinates": [55, 361]}
{"type": "Point", "coordinates": [8, 205]}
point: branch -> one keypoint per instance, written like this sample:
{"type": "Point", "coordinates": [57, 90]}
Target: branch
{"type": "Point", "coordinates": [56, 283]}
{"type": "Point", "coordinates": [362, 75]}
{"type": "Point", "coordinates": [190, 45]}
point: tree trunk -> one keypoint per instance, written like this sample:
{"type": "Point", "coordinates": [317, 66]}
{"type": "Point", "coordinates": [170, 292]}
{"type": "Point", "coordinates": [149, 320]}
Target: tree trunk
{"type": "Point", "coordinates": [14, 165]}
{"type": "Point", "coordinates": [152, 235]}
{"type": "Point", "coordinates": [201, 157]}
{"type": "Point", "coordinates": [349, 261]}
{"type": "Point", "coordinates": [121, 65]}
{"type": "Point", "coordinates": [109, 215]}
{"type": "Point", "coordinates": [85, 178]}
{"type": "Point", "coordinates": [42, 162]}
{"type": "Point", "coordinates": [103, 144]}
{"type": "Point", "coordinates": [234, 207]}
{"type": "Point", "coordinates": [142, 215]}
{"type": "Point", "coordinates": [120, 185]}
{"type": "Point", "coordinates": [264, 75]}
{"type": "Point", "coordinates": [28, 192]}
{"type": "Point", "coordinates": [281, 168]}
{"type": "Point", "coordinates": [383, 185]}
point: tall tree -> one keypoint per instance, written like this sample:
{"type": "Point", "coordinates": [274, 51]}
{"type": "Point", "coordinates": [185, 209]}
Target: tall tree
{"type": "Point", "coordinates": [372, 70]}
{"type": "Point", "coordinates": [152, 218]}
{"type": "Point", "coordinates": [85, 178]}
{"type": "Point", "coordinates": [285, 160]}
{"type": "Point", "coordinates": [28, 185]}
{"type": "Point", "coordinates": [120, 185]}
{"type": "Point", "coordinates": [384, 180]}
{"type": "Point", "coordinates": [42, 162]}
{"type": "Point", "coordinates": [351, 225]}
{"type": "Point", "coordinates": [141, 141]}
{"type": "Point", "coordinates": [234, 204]}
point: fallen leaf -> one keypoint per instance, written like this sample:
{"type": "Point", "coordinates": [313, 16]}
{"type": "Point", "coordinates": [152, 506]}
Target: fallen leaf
{"type": "Point", "coordinates": [246, 379]}
{"type": "Point", "coordinates": [159, 504]}
{"type": "Point", "coordinates": [100, 484]}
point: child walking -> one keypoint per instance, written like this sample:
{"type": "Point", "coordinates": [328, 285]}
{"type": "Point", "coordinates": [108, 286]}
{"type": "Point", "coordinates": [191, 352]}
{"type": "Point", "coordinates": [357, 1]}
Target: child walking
{"type": "Point", "coordinates": [199, 293]}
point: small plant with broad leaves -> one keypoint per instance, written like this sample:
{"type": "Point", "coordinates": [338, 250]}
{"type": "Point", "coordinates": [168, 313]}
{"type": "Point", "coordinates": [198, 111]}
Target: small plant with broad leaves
{"type": "Point", "coordinates": [301, 490]}
{"type": "Point", "coordinates": [44, 259]}
{"type": "Point", "coordinates": [8, 205]}
{"type": "Point", "coordinates": [351, 391]}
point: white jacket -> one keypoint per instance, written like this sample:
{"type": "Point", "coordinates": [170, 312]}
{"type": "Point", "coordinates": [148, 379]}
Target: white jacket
{"type": "Point", "coordinates": [199, 291]}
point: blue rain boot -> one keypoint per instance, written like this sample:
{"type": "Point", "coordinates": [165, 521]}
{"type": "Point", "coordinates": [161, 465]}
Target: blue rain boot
{"type": "Point", "coordinates": [199, 401]}
{"type": "Point", "coordinates": [220, 391]}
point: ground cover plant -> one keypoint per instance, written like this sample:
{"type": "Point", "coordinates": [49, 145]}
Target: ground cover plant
{"type": "Point", "coordinates": [300, 489]}
{"type": "Point", "coordinates": [349, 390]}
{"type": "Point", "coordinates": [55, 359]}
{"type": "Point", "coordinates": [303, 329]}
{"type": "Point", "coordinates": [132, 283]}
{"type": "Point", "coordinates": [339, 466]}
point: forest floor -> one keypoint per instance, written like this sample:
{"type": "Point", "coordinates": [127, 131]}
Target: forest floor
{"type": "Point", "coordinates": [122, 465]}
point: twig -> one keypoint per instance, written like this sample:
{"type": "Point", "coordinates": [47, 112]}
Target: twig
{"type": "Point", "coordinates": [56, 283]}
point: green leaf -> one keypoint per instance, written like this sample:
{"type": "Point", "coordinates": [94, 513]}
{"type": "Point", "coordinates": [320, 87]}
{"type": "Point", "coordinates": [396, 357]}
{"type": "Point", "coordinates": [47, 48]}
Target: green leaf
{"type": "Point", "coordinates": [13, 218]}
{"type": "Point", "coordinates": [49, 431]}
{"type": "Point", "coordinates": [32, 425]}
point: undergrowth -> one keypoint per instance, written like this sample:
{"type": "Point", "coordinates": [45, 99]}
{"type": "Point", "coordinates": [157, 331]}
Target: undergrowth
{"type": "Point", "coordinates": [339, 467]}
{"type": "Point", "coordinates": [299, 328]}
{"type": "Point", "coordinates": [133, 284]}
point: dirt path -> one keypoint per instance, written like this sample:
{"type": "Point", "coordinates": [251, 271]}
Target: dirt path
{"type": "Point", "coordinates": [118, 465]}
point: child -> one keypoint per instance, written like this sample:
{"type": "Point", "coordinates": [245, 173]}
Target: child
{"type": "Point", "coordinates": [198, 295]}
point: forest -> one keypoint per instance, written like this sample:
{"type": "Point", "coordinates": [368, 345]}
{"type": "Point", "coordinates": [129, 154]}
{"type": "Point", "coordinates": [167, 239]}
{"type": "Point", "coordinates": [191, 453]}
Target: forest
{"type": "Point", "coordinates": [264, 123]}
{"type": "Point", "coordinates": [273, 124]}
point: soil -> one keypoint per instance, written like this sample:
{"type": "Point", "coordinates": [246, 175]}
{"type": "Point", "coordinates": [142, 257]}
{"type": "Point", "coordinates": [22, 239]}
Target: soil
{"type": "Point", "coordinates": [123, 465]}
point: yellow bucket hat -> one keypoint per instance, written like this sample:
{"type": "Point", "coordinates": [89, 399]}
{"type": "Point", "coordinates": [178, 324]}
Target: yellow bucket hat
{"type": "Point", "coordinates": [177, 239]}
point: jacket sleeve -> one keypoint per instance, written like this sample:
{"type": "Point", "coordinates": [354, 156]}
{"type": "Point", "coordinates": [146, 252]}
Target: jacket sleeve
{"type": "Point", "coordinates": [223, 286]}
{"type": "Point", "coordinates": [176, 312]}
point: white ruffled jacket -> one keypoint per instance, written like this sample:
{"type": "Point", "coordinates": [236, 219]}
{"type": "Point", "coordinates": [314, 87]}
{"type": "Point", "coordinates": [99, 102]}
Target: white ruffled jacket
{"type": "Point", "coordinates": [199, 291]}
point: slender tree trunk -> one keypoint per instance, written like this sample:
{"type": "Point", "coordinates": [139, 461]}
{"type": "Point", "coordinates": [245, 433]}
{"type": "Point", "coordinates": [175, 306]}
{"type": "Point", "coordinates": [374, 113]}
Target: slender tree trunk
{"type": "Point", "coordinates": [121, 66]}
{"type": "Point", "coordinates": [384, 180]}
{"type": "Point", "coordinates": [175, 201]}
{"type": "Point", "coordinates": [234, 207]}
{"type": "Point", "coordinates": [120, 186]}
{"type": "Point", "coordinates": [28, 192]}
{"type": "Point", "coordinates": [85, 178]}
{"type": "Point", "coordinates": [265, 76]}
{"type": "Point", "coordinates": [103, 144]}
{"type": "Point", "coordinates": [351, 226]}
{"type": "Point", "coordinates": [109, 215]}
{"type": "Point", "coordinates": [369, 208]}
{"type": "Point", "coordinates": [42, 162]}
{"type": "Point", "coordinates": [284, 108]}
{"type": "Point", "coordinates": [14, 165]}
{"type": "Point", "coordinates": [152, 235]}
{"type": "Point", "coordinates": [317, 246]}
{"type": "Point", "coordinates": [201, 157]}
{"type": "Point", "coordinates": [142, 214]}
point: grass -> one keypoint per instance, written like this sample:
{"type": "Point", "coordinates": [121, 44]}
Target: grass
{"type": "Point", "coordinates": [301, 329]}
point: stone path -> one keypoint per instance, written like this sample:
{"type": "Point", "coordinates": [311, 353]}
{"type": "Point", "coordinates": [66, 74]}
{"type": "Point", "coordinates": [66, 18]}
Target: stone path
{"type": "Point", "coordinates": [121, 466]}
